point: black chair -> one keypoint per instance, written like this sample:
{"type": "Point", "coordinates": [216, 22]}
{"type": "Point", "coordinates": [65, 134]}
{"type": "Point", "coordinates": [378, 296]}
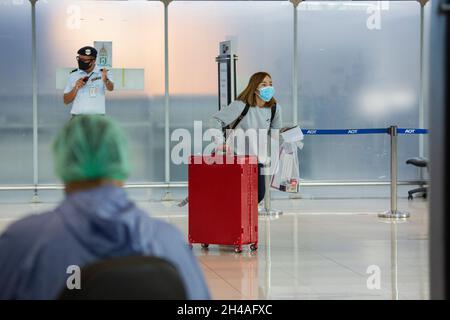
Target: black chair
{"type": "Point", "coordinates": [128, 278]}
{"type": "Point", "coordinates": [422, 163]}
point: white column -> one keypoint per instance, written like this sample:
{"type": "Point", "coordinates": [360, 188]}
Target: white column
{"type": "Point", "coordinates": [34, 93]}
{"type": "Point", "coordinates": [295, 64]}
{"type": "Point", "coordinates": [166, 98]}
{"type": "Point", "coordinates": [422, 83]}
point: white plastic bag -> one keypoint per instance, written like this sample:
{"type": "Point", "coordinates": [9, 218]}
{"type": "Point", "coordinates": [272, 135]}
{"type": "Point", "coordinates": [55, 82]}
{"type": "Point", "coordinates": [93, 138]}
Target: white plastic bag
{"type": "Point", "coordinates": [286, 176]}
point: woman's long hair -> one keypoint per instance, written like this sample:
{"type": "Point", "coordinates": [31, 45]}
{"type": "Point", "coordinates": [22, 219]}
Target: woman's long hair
{"type": "Point", "coordinates": [249, 93]}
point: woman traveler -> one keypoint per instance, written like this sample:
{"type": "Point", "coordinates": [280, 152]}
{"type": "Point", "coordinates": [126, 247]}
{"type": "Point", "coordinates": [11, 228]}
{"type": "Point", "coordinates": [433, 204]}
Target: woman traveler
{"type": "Point", "coordinates": [254, 108]}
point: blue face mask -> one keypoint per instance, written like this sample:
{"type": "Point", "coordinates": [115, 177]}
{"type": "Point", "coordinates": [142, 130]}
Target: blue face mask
{"type": "Point", "coordinates": [266, 93]}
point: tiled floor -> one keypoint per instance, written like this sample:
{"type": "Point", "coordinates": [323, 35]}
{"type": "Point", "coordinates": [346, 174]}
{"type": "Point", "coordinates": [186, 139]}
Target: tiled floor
{"type": "Point", "coordinates": [317, 249]}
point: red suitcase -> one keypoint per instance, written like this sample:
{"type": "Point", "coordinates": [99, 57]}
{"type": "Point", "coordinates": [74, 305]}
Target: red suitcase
{"type": "Point", "coordinates": [223, 202]}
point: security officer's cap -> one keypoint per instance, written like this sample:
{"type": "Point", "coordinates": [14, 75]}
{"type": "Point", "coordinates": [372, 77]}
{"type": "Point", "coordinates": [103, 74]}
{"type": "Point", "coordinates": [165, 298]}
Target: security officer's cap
{"type": "Point", "coordinates": [88, 51]}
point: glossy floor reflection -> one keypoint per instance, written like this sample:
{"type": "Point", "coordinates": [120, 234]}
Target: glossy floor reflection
{"type": "Point", "coordinates": [317, 249]}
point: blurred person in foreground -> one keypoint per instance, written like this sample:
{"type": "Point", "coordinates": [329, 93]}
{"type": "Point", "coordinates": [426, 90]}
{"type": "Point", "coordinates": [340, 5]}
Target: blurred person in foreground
{"type": "Point", "coordinates": [96, 220]}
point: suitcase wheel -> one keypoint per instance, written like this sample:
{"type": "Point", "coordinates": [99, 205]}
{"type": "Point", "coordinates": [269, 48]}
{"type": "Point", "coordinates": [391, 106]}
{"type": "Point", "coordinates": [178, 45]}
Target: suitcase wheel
{"type": "Point", "coordinates": [205, 245]}
{"type": "Point", "coordinates": [238, 249]}
{"type": "Point", "coordinates": [254, 247]}
{"type": "Point", "coordinates": [190, 246]}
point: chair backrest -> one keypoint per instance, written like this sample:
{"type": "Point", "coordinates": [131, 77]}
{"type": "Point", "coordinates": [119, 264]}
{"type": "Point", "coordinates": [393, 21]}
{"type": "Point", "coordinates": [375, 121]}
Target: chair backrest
{"type": "Point", "coordinates": [124, 278]}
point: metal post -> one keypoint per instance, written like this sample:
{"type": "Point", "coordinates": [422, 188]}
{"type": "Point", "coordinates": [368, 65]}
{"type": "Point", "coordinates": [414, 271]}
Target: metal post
{"type": "Point", "coordinates": [295, 64]}
{"type": "Point", "coordinates": [295, 72]}
{"type": "Point", "coordinates": [394, 213]}
{"type": "Point", "coordinates": [166, 90]}
{"type": "Point", "coordinates": [166, 87]}
{"type": "Point", "coordinates": [34, 93]}
{"type": "Point", "coordinates": [422, 85]}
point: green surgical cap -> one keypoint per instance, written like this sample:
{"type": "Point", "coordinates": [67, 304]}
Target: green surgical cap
{"type": "Point", "coordinates": [91, 147]}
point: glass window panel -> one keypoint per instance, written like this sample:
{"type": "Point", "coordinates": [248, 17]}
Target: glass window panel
{"type": "Point", "coordinates": [16, 118]}
{"type": "Point", "coordinates": [356, 71]}
{"type": "Point", "coordinates": [137, 32]}
{"type": "Point", "coordinates": [262, 35]}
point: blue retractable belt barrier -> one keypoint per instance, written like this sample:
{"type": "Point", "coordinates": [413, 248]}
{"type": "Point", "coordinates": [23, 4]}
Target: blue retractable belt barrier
{"type": "Point", "coordinates": [362, 131]}
{"type": "Point", "coordinates": [412, 131]}
{"type": "Point", "coordinates": [393, 132]}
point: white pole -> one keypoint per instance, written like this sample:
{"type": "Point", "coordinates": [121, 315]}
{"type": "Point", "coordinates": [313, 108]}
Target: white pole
{"type": "Point", "coordinates": [422, 85]}
{"type": "Point", "coordinates": [34, 93]}
{"type": "Point", "coordinates": [295, 65]}
{"type": "Point", "coordinates": [166, 97]}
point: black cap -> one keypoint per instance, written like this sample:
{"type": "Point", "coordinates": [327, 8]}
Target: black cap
{"type": "Point", "coordinates": [88, 51]}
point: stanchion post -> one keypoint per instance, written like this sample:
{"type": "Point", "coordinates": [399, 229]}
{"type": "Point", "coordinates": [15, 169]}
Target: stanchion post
{"type": "Point", "coordinates": [393, 213]}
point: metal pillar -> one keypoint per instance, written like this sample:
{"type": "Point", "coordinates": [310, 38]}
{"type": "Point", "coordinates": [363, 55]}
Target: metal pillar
{"type": "Point", "coordinates": [166, 90]}
{"type": "Point", "coordinates": [422, 84]}
{"type": "Point", "coordinates": [295, 64]}
{"type": "Point", "coordinates": [34, 93]}
{"type": "Point", "coordinates": [393, 213]}
{"type": "Point", "coordinates": [167, 196]}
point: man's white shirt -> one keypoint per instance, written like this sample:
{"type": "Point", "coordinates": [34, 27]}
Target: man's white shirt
{"type": "Point", "coordinates": [90, 99]}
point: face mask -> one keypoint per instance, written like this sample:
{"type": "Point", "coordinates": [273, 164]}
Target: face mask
{"type": "Point", "coordinates": [266, 93]}
{"type": "Point", "coordinates": [84, 65]}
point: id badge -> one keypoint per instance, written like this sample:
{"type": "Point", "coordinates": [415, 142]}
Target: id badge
{"type": "Point", "coordinates": [92, 91]}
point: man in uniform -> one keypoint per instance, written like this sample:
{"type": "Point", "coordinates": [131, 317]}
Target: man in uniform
{"type": "Point", "coordinates": [86, 85]}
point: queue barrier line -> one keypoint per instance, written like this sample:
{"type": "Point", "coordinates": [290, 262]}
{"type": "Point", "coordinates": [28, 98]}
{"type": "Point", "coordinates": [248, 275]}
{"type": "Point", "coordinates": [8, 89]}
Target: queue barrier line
{"type": "Point", "coordinates": [393, 132]}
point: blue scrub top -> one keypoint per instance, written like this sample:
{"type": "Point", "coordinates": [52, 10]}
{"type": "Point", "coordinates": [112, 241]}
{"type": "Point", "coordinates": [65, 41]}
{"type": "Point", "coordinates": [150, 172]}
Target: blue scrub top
{"type": "Point", "coordinates": [87, 226]}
